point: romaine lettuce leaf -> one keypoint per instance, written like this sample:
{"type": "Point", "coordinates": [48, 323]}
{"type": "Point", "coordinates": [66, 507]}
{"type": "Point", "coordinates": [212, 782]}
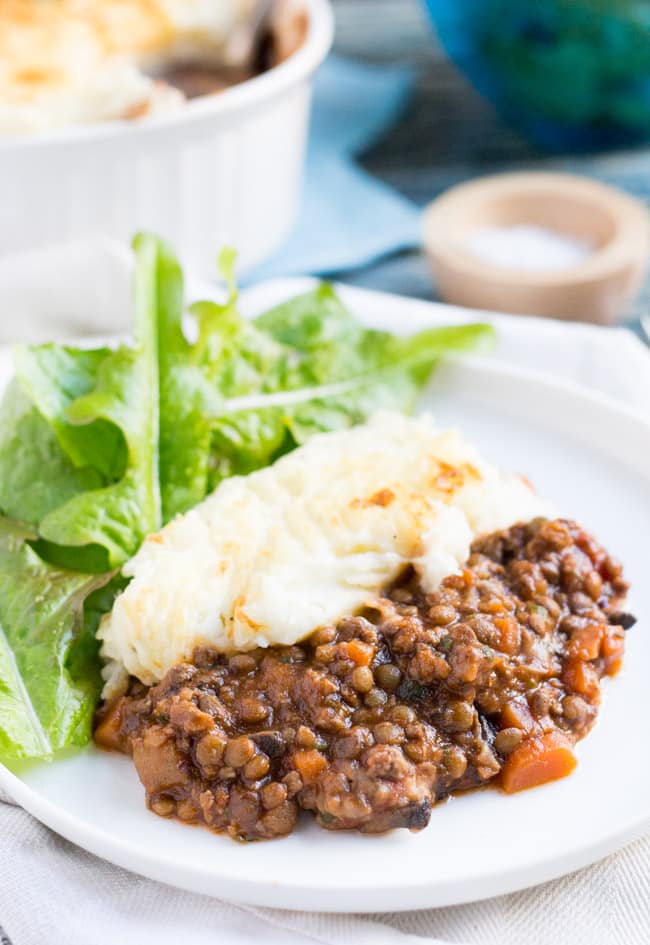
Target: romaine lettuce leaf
{"type": "Point", "coordinates": [54, 376]}
{"type": "Point", "coordinates": [188, 386]}
{"type": "Point", "coordinates": [98, 401]}
{"type": "Point", "coordinates": [329, 372]}
{"type": "Point", "coordinates": [36, 475]}
{"type": "Point", "coordinates": [49, 677]}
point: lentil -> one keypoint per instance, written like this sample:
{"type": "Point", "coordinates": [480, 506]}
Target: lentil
{"type": "Point", "coordinates": [388, 734]}
{"type": "Point", "coordinates": [256, 768]}
{"type": "Point", "coordinates": [388, 676]}
{"type": "Point", "coordinates": [163, 806]}
{"type": "Point", "coordinates": [375, 698]}
{"type": "Point", "coordinates": [273, 794]}
{"type": "Point", "coordinates": [239, 751]}
{"type": "Point", "coordinates": [362, 679]}
{"type": "Point", "coordinates": [456, 685]}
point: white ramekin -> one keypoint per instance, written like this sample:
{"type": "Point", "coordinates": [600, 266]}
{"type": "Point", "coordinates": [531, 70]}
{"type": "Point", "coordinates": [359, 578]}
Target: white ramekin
{"type": "Point", "coordinates": [222, 170]}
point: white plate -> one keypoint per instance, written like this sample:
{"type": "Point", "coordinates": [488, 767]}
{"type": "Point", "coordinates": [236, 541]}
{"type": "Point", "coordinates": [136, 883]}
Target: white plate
{"type": "Point", "coordinates": [593, 459]}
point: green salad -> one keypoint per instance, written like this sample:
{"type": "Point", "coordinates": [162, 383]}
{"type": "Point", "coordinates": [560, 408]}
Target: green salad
{"type": "Point", "coordinates": [100, 447]}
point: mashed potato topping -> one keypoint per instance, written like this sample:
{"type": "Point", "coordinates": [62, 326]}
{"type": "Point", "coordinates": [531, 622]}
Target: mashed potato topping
{"type": "Point", "coordinates": [70, 61]}
{"type": "Point", "coordinates": [269, 557]}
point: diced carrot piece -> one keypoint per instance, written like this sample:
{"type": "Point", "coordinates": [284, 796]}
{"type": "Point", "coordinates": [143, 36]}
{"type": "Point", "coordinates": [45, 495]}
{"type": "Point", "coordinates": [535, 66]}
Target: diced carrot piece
{"type": "Point", "coordinates": [581, 677]}
{"type": "Point", "coordinates": [585, 643]}
{"type": "Point", "coordinates": [309, 764]}
{"type": "Point", "coordinates": [516, 714]}
{"type": "Point", "coordinates": [536, 761]}
{"type": "Point", "coordinates": [492, 606]}
{"type": "Point", "coordinates": [509, 635]}
{"type": "Point", "coordinates": [360, 652]}
{"type": "Point", "coordinates": [612, 649]}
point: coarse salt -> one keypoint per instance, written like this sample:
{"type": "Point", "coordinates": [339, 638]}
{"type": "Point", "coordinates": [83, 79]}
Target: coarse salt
{"type": "Point", "coordinates": [527, 247]}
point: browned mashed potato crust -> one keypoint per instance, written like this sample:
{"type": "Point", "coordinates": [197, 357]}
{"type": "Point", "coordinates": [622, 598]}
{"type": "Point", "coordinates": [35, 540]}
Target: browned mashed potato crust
{"type": "Point", "coordinates": [370, 722]}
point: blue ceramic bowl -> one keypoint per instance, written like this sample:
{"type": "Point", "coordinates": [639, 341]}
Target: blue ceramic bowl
{"type": "Point", "coordinates": [569, 74]}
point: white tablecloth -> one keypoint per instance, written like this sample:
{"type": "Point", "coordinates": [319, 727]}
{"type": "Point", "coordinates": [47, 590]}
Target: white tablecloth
{"type": "Point", "coordinates": [52, 893]}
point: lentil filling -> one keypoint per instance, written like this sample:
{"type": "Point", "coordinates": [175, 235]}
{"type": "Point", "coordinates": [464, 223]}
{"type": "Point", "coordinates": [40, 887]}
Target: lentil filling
{"type": "Point", "coordinates": [370, 722]}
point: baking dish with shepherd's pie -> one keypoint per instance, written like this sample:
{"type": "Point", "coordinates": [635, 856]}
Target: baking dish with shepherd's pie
{"type": "Point", "coordinates": [186, 116]}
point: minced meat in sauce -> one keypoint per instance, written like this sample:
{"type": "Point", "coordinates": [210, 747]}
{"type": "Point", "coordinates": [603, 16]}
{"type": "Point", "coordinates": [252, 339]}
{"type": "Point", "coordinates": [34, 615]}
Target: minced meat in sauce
{"type": "Point", "coordinates": [371, 721]}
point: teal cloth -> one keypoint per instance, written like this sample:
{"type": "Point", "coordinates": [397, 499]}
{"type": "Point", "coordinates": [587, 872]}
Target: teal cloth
{"type": "Point", "coordinates": [348, 218]}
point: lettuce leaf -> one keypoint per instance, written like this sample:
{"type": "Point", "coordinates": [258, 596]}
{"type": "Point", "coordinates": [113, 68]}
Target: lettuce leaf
{"type": "Point", "coordinates": [49, 677]}
{"type": "Point", "coordinates": [245, 393]}
{"type": "Point", "coordinates": [103, 406]}
{"type": "Point", "coordinates": [330, 372]}
{"type": "Point", "coordinates": [28, 447]}
{"type": "Point", "coordinates": [188, 382]}
{"type": "Point", "coordinates": [54, 376]}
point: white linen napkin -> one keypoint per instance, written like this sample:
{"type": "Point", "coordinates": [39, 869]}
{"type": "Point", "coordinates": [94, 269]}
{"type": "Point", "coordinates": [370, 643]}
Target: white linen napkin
{"type": "Point", "coordinates": [52, 892]}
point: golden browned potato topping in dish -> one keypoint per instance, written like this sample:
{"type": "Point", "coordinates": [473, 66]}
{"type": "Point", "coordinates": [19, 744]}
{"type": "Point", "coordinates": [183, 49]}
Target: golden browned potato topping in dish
{"type": "Point", "coordinates": [65, 62]}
